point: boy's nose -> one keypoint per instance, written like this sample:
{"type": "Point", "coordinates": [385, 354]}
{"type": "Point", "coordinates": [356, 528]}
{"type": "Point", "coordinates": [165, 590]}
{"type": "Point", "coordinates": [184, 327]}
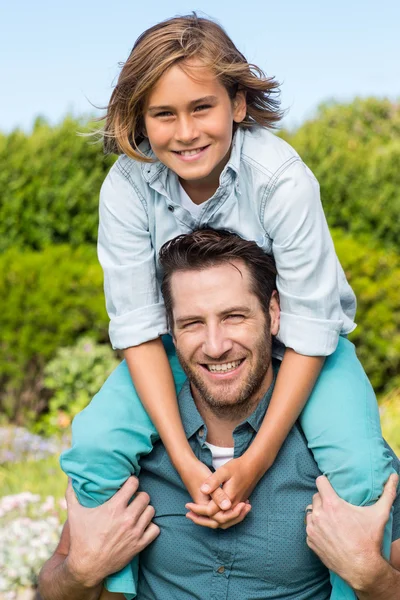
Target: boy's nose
{"type": "Point", "coordinates": [186, 130]}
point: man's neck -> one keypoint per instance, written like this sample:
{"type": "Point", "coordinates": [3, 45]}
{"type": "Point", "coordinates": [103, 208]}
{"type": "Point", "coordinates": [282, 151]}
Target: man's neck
{"type": "Point", "coordinates": [220, 426]}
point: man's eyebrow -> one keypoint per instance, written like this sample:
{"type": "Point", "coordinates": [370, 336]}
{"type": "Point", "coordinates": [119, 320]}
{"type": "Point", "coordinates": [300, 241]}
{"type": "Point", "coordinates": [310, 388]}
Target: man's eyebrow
{"type": "Point", "coordinates": [203, 100]}
{"type": "Point", "coordinates": [232, 309]}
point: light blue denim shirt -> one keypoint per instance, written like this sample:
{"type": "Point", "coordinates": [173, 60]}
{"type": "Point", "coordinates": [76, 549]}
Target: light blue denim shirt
{"type": "Point", "coordinates": [266, 194]}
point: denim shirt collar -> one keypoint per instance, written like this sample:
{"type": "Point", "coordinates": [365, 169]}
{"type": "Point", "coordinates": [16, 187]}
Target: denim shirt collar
{"type": "Point", "coordinates": [192, 420]}
{"type": "Point", "coordinates": [157, 171]}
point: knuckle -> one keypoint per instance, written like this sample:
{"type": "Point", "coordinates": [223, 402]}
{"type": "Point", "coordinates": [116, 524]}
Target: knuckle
{"type": "Point", "coordinates": [144, 497]}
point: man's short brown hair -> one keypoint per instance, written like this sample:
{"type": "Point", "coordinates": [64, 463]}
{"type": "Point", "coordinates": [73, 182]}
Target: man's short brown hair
{"type": "Point", "coordinates": [207, 248]}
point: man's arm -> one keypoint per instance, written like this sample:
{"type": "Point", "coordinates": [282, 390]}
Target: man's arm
{"type": "Point", "coordinates": [348, 540]}
{"type": "Point", "coordinates": [96, 542]}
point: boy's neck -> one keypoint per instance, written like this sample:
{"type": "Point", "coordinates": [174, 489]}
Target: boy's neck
{"type": "Point", "coordinates": [198, 192]}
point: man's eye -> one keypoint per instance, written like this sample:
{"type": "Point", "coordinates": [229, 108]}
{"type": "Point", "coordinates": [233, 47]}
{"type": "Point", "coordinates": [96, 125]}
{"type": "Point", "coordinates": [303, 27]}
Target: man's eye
{"type": "Point", "coordinates": [235, 316]}
{"type": "Point", "coordinates": [191, 324]}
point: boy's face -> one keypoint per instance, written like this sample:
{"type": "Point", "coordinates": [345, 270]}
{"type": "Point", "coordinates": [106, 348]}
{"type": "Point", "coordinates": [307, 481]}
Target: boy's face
{"type": "Point", "coordinates": [189, 122]}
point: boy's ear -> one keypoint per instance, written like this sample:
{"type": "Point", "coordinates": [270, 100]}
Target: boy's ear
{"type": "Point", "coordinates": [239, 106]}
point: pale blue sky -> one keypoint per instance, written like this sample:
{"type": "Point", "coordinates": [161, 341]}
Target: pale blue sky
{"type": "Point", "coordinates": [56, 56]}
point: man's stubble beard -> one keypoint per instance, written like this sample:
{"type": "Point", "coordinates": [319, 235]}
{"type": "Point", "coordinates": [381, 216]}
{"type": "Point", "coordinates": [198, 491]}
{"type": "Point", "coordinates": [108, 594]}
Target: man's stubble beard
{"type": "Point", "coordinates": [248, 395]}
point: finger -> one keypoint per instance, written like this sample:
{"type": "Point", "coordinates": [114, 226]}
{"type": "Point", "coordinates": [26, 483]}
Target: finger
{"type": "Point", "coordinates": [203, 521]}
{"type": "Point", "coordinates": [148, 536]}
{"type": "Point", "coordinates": [244, 512]}
{"type": "Point", "coordinates": [144, 519]}
{"type": "Point", "coordinates": [389, 494]}
{"type": "Point", "coordinates": [221, 499]}
{"type": "Point", "coordinates": [325, 489]}
{"type": "Point", "coordinates": [138, 505]}
{"type": "Point", "coordinates": [205, 510]}
{"type": "Point", "coordinates": [125, 493]}
{"type": "Point", "coordinates": [307, 514]}
{"type": "Point", "coordinates": [225, 516]}
{"type": "Point", "coordinates": [214, 481]}
{"type": "Point", "coordinates": [316, 502]}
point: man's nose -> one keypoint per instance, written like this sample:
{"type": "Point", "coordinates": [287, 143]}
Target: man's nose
{"type": "Point", "coordinates": [216, 343]}
{"type": "Point", "coordinates": [186, 130]}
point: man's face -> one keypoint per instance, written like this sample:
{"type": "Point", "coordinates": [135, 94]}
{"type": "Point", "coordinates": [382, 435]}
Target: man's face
{"type": "Point", "coordinates": [222, 336]}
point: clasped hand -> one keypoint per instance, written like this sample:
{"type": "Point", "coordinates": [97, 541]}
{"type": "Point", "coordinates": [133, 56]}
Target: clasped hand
{"type": "Point", "coordinates": [220, 499]}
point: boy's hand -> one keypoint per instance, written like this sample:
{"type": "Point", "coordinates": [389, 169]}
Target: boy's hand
{"type": "Point", "coordinates": [238, 481]}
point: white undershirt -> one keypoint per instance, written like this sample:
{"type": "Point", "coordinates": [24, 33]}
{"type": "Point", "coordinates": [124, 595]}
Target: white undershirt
{"type": "Point", "coordinates": [188, 203]}
{"type": "Point", "coordinates": [220, 455]}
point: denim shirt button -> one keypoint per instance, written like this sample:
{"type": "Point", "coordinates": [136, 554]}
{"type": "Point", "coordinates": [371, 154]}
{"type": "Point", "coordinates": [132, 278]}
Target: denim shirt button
{"type": "Point", "coordinates": [171, 208]}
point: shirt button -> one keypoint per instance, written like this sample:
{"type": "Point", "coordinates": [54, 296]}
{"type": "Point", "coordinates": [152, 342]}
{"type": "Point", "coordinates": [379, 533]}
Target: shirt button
{"type": "Point", "coordinates": [221, 570]}
{"type": "Point", "coordinates": [171, 208]}
{"type": "Point", "coordinates": [201, 431]}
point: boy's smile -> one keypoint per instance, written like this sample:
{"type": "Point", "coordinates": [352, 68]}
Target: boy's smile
{"type": "Point", "coordinates": [189, 120]}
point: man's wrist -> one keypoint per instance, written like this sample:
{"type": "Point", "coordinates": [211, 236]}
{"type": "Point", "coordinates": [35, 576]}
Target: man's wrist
{"type": "Point", "coordinates": [369, 576]}
{"type": "Point", "coordinates": [85, 578]}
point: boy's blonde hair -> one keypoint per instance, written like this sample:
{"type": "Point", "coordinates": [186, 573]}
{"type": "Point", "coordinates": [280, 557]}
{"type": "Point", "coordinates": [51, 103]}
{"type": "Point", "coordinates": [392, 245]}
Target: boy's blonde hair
{"type": "Point", "coordinates": [174, 41]}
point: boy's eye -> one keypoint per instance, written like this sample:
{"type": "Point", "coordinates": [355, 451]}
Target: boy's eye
{"type": "Point", "coordinates": [202, 107]}
{"type": "Point", "coordinates": [165, 113]}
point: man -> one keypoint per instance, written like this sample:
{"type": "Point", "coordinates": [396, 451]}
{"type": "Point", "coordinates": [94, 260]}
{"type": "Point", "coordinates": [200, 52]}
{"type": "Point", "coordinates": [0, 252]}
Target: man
{"type": "Point", "coordinates": [220, 298]}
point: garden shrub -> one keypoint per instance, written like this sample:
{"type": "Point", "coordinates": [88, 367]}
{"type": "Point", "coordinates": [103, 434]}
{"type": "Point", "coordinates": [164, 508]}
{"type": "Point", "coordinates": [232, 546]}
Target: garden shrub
{"type": "Point", "coordinates": [49, 185]}
{"type": "Point", "coordinates": [354, 151]}
{"type": "Point", "coordinates": [374, 274]}
{"type": "Point", "coordinates": [74, 376]}
{"type": "Point", "coordinates": [49, 299]}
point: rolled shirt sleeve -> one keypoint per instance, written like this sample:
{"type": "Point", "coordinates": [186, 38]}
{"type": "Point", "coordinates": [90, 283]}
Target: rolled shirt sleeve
{"type": "Point", "coordinates": [133, 298]}
{"type": "Point", "coordinates": [307, 266]}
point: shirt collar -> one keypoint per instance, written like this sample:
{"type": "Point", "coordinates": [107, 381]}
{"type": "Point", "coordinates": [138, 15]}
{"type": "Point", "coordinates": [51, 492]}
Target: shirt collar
{"type": "Point", "coordinates": [152, 171]}
{"type": "Point", "coordinates": [192, 420]}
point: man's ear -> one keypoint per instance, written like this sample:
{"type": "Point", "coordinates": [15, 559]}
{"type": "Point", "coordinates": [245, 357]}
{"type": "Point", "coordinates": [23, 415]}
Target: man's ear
{"type": "Point", "coordinates": [239, 106]}
{"type": "Point", "coordinates": [274, 312]}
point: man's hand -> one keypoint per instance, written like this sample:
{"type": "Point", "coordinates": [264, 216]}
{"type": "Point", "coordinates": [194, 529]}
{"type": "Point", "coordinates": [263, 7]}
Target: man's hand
{"type": "Point", "coordinates": [348, 538]}
{"type": "Point", "coordinates": [104, 539]}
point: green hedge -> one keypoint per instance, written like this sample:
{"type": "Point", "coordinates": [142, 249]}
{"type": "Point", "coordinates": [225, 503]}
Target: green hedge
{"type": "Point", "coordinates": [49, 186]}
{"type": "Point", "coordinates": [354, 151]}
{"type": "Point", "coordinates": [52, 298]}
{"type": "Point", "coordinates": [49, 299]}
{"type": "Point", "coordinates": [374, 274]}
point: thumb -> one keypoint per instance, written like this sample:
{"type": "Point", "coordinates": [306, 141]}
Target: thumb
{"type": "Point", "coordinates": [215, 481]}
{"type": "Point", "coordinates": [389, 494]}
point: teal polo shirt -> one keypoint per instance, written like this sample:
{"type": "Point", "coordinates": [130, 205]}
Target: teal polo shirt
{"type": "Point", "coordinates": [265, 556]}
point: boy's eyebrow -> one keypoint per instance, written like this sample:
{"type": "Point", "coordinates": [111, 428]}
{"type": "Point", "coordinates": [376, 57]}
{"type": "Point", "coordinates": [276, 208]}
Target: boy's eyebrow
{"type": "Point", "coordinates": [202, 100]}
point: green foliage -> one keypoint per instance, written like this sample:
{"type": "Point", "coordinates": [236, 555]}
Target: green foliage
{"type": "Point", "coordinates": [43, 477]}
{"type": "Point", "coordinates": [49, 299]}
{"type": "Point", "coordinates": [390, 419]}
{"type": "Point", "coordinates": [74, 376]}
{"type": "Point", "coordinates": [49, 186]}
{"type": "Point", "coordinates": [374, 274]}
{"type": "Point", "coordinates": [354, 151]}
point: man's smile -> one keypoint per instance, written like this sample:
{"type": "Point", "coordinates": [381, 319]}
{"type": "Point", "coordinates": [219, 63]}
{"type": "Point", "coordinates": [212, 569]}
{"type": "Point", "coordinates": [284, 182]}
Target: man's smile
{"type": "Point", "coordinates": [223, 369]}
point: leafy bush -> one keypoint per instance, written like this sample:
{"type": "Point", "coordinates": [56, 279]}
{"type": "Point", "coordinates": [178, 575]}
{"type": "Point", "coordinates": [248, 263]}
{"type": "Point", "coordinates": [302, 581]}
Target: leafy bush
{"type": "Point", "coordinates": [374, 274]}
{"type": "Point", "coordinates": [74, 376]}
{"type": "Point", "coordinates": [390, 419]}
{"type": "Point", "coordinates": [49, 299]}
{"type": "Point", "coordinates": [354, 151]}
{"type": "Point", "coordinates": [49, 186]}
